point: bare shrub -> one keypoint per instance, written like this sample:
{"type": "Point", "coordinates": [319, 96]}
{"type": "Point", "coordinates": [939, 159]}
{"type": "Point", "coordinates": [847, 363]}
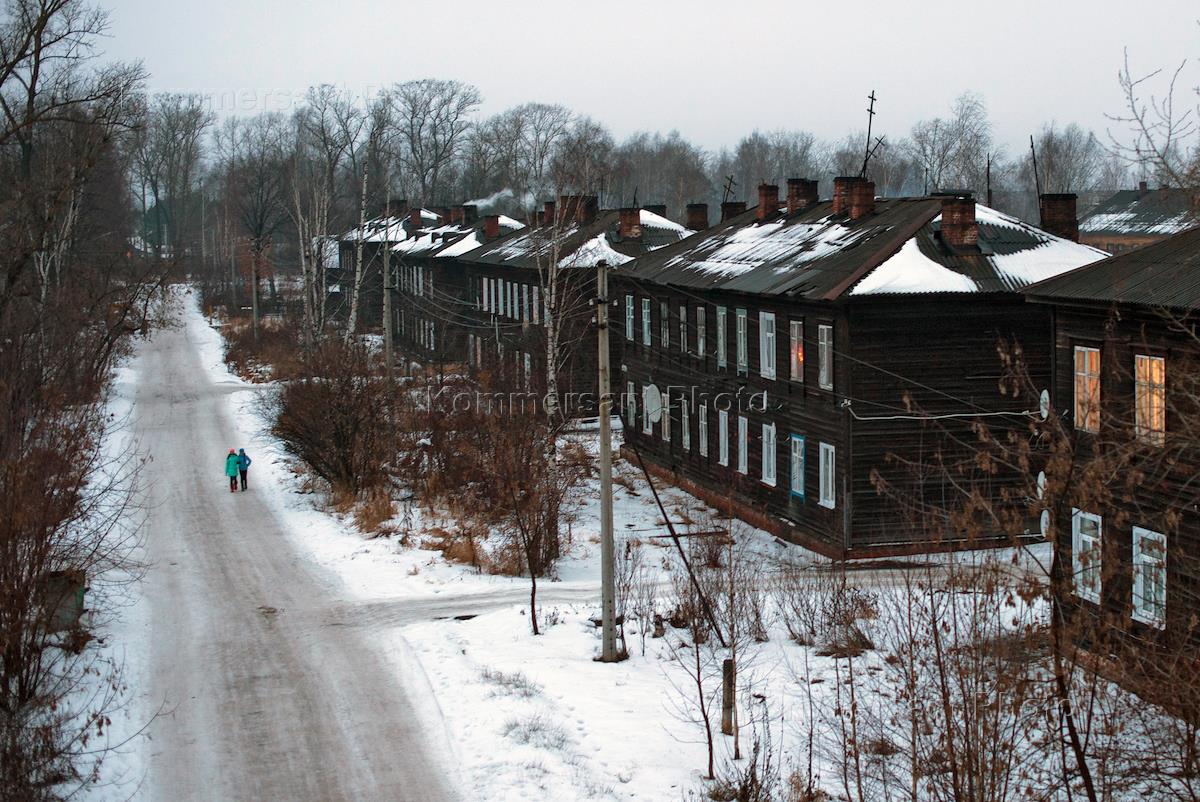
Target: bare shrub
{"type": "Point", "coordinates": [275, 353]}
{"type": "Point", "coordinates": [537, 730]}
{"type": "Point", "coordinates": [514, 684]}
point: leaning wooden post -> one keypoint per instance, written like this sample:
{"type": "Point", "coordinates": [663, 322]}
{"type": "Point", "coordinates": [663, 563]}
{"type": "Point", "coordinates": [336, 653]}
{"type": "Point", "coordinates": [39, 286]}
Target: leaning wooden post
{"type": "Point", "coordinates": [728, 699]}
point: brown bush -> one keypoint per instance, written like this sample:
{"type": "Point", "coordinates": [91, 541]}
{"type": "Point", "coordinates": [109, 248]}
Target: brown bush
{"type": "Point", "coordinates": [274, 354]}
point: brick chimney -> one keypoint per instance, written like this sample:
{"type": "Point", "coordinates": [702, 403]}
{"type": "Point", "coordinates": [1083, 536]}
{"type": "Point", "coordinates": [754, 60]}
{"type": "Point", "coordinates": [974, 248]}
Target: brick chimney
{"type": "Point", "coordinates": [768, 200]}
{"type": "Point", "coordinates": [549, 213]}
{"type": "Point", "coordinates": [862, 198]}
{"type": "Point", "coordinates": [456, 215]}
{"type": "Point", "coordinates": [491, 226]}
{"type": "Point", "coordinates": [1143, 187]}
{"type": "Point", "coordinates": [443, 212]}
{"type": "Point", "coordinates": [400, 207]}
{"type": "Point", "coordinates": [841, 193]}
{"type": "Point", "coordinates": [801, 193]}
{"type": "Point", "coordinates": [697, 216]}
{"type": "Point", "coordinates": [470, 213]}
{"type": "Point", "coordinates": [732, 209]}
{"type": "Point", "coordinates": [959, 228]}
{"type": "Point", "coordinates": [629, 223]}
{"type": "Point", "coordinates": [414, 219]}
{"type": "Point", "coordinates": [583, 208]}
{"type": "Point", "coordinates": [1058, 215]}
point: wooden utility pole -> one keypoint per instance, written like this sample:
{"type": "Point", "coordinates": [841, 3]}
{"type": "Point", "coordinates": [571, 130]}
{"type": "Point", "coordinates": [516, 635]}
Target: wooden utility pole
{"type": "Point", "coordinates": [608, 618]}
{"type": "Point", "coordinates": [387, 274]}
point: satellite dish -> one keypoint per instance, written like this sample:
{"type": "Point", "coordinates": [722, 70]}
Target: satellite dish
{"type": "Point", "coordinates": [1044, 404]}
{"type": "Point", "coordinates": [653, 400]}
{"type": "Point", "coordinates": [1045, 522]}
{"type": "Point", "coordinates": [1041, 484]}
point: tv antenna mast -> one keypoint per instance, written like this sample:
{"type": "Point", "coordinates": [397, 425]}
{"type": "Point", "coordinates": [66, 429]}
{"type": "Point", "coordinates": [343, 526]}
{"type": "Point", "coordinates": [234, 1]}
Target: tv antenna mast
{"type": "Point", "coordinates": [727, 193]}
{"type": "Point", "coordinates": [869, 149]}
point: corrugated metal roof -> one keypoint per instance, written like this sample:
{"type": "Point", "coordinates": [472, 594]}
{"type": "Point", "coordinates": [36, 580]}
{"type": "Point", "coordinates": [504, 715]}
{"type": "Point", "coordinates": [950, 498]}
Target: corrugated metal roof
{"type": "Point", "coordinates": [1142, 212]}
{"type": "Point", "coordinates": [1163, 274]}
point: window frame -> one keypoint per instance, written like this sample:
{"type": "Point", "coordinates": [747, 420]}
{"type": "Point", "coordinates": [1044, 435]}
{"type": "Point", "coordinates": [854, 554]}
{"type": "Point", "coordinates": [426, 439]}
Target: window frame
{"type": "Point", "coordinates": [647, 423]}
{"type": "Point", "coordinates": [825, 356]}
{"type": "Point", "coordinates": [1155, 619]}
{"type": "Point", "coordinates": [743, 459]}
{"type": "Point", "coordinates": [1082, 591]}
{"type": "Point", "coordinates": [664, 325]}
{"type": "Point", "coordinates": [631, 404]}
{"type": "Point", "coordinates": [796, 472]}
{"type": "Point", "coordinates": [1089, 420]}
{"type": "Point", "coordinates": [722, 337]}
{"type": "Point", "coordinates": [1149, 390]}
{"type": "Point", "coordinates": [629, 322]}
{"type": "Point", "coordinates": [828, 476]}
{"type": "Point", "coordinates": [647, 324]}
{"type": "Point", "coordinates": [723, 437]}
{"type": "Point", "coordinates": [796, 354]}
{"type": "Point", "coordinates": [742, 347]}
{"type": "Point", "coordinates": [701, 331]}
{"type": "Point", "coordinates": [683, 338]}
{"type": "Point", "coordinates": [685, 425]}
{"type": "Point", "coordinates": [702, 428]}
{"type": "Point", "coordinates": [770, 455]}
{"type": "Point", "coordinates": [665, 423]}
{"type": "Point", "coordinates": [766, 344]}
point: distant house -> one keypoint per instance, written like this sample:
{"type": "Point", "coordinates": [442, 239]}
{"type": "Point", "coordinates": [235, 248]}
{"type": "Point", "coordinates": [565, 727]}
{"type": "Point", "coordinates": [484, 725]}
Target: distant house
{"type": "Point", "coordinates": [1132, 218]}
{"type": "Point", "coordinates": [518, 281]}
{"type": "Point", "coordinates": [1125, 377]}
{"type": "Point", "coordinates": [772, 363]}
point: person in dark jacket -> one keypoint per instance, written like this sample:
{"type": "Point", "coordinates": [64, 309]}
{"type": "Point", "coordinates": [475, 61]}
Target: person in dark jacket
{"type": "Point", "coordinates": [231, 469]}
{"type": "Point", "coordinates": [243, 465]}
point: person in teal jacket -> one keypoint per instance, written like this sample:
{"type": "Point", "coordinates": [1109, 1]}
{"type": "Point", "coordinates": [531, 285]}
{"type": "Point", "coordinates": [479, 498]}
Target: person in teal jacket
{"type": "Point", "coordinates": [231, 470]}
{"type": "Point", "coordinates": [243, 465]}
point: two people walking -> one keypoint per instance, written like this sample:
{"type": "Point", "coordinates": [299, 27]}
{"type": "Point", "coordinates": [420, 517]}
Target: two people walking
{"type": "Point", "coordinates": [237, 463]}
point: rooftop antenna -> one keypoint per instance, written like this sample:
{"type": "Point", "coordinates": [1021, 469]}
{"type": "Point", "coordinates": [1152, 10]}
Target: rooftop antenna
{"type": "Point", "coordinates": [635, 189]}
{"type": "Point", "coordinates": [867, 149]}
{"type": "Point", "coordinates": [1037, 182]}
{"type": "Point", "coordinates": [728, 191]}
{"type": "Point", "coordinates": [989, 181]}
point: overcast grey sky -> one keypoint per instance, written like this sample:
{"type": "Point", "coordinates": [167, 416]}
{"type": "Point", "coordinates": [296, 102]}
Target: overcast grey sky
{"type": "Point", "coordinates": [712, 70]}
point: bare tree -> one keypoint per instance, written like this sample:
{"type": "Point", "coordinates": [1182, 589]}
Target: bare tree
{"type": "Point", "coordinates": [432, 118]}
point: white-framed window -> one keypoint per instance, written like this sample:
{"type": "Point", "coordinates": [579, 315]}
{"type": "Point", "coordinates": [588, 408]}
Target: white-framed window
{"type": "Point", "coordinates": [1149, 577]}
{"type": "Point", "coordinates": [796, 349]}
{"type": "Point", "coordinates": [1087, 388]}
{"type": "Point", "coordinates": [537, 304]}
{"type": "Point", "coordinates": [664, 324]}
{"type": "Point", "coordinates": [683, 341]}
{"type": "Point", "coordinates": [743, 358]}
{"type": "Point", "coordinates": [630, 405]}
{"type": "Point", "coordinates": [525, 314]}
{"type": "Point", "coordinates": [528, 370]}
{"type": "Point", "coordinates": [828, 476]}
{"type": "Point", "coordinates": [768, 454]}
{"type": "Point", "coordinates": [1086, 534]}
{"type": "Point", "coordinates": [723, 437]}
{"type": "Point", "coordinates": [1150, 374]}
{"type": "Point", "coordinates": [766, 344]}
{"type": "Point", "coordinates": [504, 297]}
{"type": "Point", "coordinates": [487, 294]}
{"type": "Point", "coordinates": [685, 425]}
{"type": "Point", "coordinates": [743, 465]}
{"type": "Point", "coordinates": [700, 331]}
{"type": "Point", "coordinates": [702, 428]}
{"type": "Point", "coordinates": [647, 424]}
{"type": "Point", "coordinates": [722, 334]}
{"type": "Point", "coordinates": [825, 356]}
{"type": "Point", "coordinates": [666, 417]}
{"type": "Point", "coordinates": [796, 466]}
{"type": "Point", "coordinates": [629, 318]}
{"type": "Point", "coordinates": [514, 303]}
{"type": "Point", "coordinates": [646, 321]}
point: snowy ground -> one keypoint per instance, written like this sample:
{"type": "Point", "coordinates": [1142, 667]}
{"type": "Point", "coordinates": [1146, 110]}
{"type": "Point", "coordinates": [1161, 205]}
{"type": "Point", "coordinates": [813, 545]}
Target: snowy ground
{"type": "Point", "coordinates": [524, 717]}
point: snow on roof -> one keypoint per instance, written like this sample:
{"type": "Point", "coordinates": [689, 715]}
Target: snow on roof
{"type": "Point", "coordinates": [1156, 212]}
{"type": "Point", "coordinates": [468, 243]}
{"type": "Point", "coordinates": [658, 221]}
{"type": "Point", "coordinates": [510, 223]}
{"type": "Point", "coordinates": [1043, 256]}
{"type": "Point", "coordinates": [592, 252]}
{"type": "Point", "coordinates": [326, 251]}
{"type": "Point", "coordinates": [742, 249]}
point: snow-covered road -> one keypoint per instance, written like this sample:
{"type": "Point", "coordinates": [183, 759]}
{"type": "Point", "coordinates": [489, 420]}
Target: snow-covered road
{"type": "Point", "coordinates": [266, 692]}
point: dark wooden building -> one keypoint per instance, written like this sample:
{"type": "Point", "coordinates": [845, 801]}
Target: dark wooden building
{"type": "Point", "coordinates": [774, 361]}
{"type": "Point", "coordinates": [1132, 218]}
{"type": "Point", "coordinates": [1126, 360]}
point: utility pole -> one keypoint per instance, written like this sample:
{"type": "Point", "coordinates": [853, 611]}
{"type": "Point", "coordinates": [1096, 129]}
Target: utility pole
{"type": "Point", "coordinates": [387, 273]}
{"type": "Point", "coordinates": [608, 649]}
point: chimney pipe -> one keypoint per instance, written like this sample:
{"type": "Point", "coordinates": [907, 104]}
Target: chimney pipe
{"type": "Point", "coordinates": [491, 226]}
{"type": "Point", "coordinates": [768, 200]}
{"type": "Point", "coordinates": [456, 215]}
{"type": "Point", "coordinates": [697, 216]}
{"type": "Point", "coordinates": [470, 213]}
{"type": "Point", "coordinates": [629, 223]}
{"type": "Point", "coordinates": [841, 193]}
{"type": "Point", "coordinates": [414, 219]}
{"type": "Point", "coordinates": [732, 209]}
{"type": "Point", "coordinates": [1143, 187]}
{"type": "Point", "coordinates": [585, 208]}
{"type": "Point", "coordinates": [861, 199]}
{"type": "Point", "coordinates": [801, 193]}
{"type": "Point", "coordinates": [1058, 215]}
{"type": "Point", "coordinates": [959, 228]}
{"type": "Point", "coordinates": [550, 219]}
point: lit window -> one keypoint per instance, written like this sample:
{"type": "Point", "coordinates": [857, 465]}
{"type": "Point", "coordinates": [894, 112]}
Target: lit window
{"type": "Point", "coordinates": [723, 437]}
{"type": "Point", "coordinates": [702, 428]}
{"type": "Point", "coordinates": [645, 321]}
{"type": "Point", "coordinates": [825, 357]}
{"type": "Point", "coordinates": [766, 344]}
{"type": "Point", "coordinates": [629, 318]}
{"type": "Point", "coordinates": [722, 357]}
{"type": "Point", "coordinates": [743, 361]}
{"type": "Point", "coordinates": [768, 454]}
{"type": "Point", "coordinates": [743, 445]}
{"type": "Point", "coordinates": [828, 465]}
{"type": "Point", "coordinates": [796, 350]}
{"type": "Point", "coordinates": [796, 466]}
{"type": "Point", "coordinates": [1087, 389]}
{"type": "Point", "coordinates": [1151, 375]}
{"type": "Point", "coordinates": [1085, 554]}
{"type": "Point", "coordinates": [1149, 576]}
{"type": "Point", "coordinates": [700, 331]}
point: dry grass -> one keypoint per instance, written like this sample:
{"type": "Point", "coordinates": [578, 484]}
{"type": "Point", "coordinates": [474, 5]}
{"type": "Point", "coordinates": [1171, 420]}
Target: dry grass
{"type": "Point", "coordinates": [371, 512]}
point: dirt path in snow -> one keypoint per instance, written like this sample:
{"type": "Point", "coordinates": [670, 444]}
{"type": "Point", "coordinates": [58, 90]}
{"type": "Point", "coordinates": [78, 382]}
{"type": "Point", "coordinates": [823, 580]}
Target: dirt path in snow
{"type": "Point", "coordinates": [262, 700]}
